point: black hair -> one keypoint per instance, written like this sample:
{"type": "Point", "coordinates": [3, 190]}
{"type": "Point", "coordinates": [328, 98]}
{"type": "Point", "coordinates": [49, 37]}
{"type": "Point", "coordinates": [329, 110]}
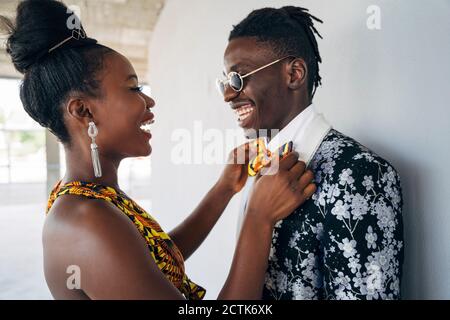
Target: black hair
{"type": "Point", "coordinates": [288, 31]}
{"type": "Point", "coordinates": [51, 77]}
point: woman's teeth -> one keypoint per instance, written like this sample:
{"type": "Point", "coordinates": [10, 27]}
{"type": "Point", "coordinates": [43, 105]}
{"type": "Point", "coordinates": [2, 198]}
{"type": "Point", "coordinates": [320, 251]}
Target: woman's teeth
{"type": "Point", "coordinates": [146, 125]}
{"type": "Point", "coordinates": [244, 112]}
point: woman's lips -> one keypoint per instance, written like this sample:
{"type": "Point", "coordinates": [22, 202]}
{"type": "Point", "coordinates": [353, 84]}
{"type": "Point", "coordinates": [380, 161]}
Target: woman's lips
{"type": "Point", "coordinates": [145, 127]}
{"type": "Point", "coordinates": [147, 133]}
{"type": "Point", "coordinates": [244, 114]}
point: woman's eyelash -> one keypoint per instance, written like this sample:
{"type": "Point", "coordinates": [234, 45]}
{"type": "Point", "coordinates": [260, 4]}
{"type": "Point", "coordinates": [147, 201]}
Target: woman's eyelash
{"type": "Point", "coordinates": [138, 89]}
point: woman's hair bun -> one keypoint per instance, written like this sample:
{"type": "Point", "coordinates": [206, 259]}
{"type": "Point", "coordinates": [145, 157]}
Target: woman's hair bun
{"type": "Point", "coordinates": [39, 26]}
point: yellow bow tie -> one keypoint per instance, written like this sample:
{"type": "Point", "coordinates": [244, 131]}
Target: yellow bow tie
{"type": "Point", "coordinates": [264, 155]}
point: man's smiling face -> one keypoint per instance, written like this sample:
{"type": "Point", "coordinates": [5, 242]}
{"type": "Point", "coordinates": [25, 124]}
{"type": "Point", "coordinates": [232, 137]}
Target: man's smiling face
{"type": "Point", "coordinates": [262, 104]}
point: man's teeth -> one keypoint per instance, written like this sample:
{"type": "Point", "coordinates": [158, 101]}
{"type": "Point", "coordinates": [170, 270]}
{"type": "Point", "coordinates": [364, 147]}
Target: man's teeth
{"type": "Point", "coordinates": [242, 118]}
{"type": "Point", "coordinates": [244, 112]}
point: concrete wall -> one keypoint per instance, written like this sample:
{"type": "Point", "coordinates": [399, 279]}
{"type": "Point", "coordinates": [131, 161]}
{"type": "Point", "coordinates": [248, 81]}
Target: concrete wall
{"type": "Point", "coordinates": [386, 88]}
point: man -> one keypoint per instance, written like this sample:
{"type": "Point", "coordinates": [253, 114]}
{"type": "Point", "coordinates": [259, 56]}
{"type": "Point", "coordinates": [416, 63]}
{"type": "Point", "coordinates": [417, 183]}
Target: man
{"type": "Point", "coordinates": [346, 242]}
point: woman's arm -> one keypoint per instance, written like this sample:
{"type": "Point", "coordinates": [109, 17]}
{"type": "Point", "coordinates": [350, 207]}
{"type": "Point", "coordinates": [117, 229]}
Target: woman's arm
{"type": "Point", "coordinates": [191, 233]}
{"type": "Point", "coordinates": [246, 277]}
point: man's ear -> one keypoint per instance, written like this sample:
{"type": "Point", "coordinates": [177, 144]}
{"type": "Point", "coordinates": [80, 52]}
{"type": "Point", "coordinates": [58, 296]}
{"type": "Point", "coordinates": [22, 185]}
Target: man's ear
{"type": "Point", "coordinates": [298, 73]}
{"type": "Point", "coordinates": [78, 109]}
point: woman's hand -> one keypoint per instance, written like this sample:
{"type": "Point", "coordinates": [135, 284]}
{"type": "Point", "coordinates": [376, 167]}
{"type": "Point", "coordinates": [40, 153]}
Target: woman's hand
{"type": "Point", "coordinates": [235, 173]}
{"type": "Point", "coordinates": [276, 196]}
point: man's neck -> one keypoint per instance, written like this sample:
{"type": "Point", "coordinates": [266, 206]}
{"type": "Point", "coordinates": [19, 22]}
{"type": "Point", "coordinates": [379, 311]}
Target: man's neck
{"type": "Point", "coordinates": [296, 109]}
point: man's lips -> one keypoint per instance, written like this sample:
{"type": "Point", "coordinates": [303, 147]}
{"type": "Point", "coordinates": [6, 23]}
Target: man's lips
{"type": "Point", "coordinates": [236, 105]}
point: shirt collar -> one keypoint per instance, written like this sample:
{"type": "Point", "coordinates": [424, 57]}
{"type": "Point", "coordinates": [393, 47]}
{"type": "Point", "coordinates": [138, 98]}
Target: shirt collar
{"type": "Point", "coordinates": [306, 131]}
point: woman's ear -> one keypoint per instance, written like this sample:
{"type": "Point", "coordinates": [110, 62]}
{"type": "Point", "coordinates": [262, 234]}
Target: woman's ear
{"type": "Point", "coordinates": [78, 110]}
{"type": "Point", "coordinates": [298, 73]}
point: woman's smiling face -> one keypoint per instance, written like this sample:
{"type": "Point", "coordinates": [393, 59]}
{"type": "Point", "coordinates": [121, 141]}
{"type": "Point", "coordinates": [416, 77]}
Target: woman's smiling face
{"type": "Point", "coordinates": [122, 114]}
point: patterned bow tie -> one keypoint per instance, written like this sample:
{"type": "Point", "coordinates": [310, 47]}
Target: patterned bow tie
{"type": "Point", "coordinates": [264, 155]}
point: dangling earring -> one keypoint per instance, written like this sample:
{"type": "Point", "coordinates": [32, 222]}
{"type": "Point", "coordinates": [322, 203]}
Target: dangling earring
{"type": "Point", "coordinates": [93, 132]}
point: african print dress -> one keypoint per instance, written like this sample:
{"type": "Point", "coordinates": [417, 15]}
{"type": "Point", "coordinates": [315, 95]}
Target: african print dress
{"type": "Point", "coordinates": [163, 250]}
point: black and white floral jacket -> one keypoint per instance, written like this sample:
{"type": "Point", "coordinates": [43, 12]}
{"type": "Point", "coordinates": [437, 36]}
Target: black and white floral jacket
{"type": "Point", "coordinates": [346, 242]}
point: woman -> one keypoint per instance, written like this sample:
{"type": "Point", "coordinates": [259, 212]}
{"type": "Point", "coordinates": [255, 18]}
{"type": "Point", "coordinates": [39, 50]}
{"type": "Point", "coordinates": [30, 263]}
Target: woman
{"type": "Point", "coordinates": [88, 96]}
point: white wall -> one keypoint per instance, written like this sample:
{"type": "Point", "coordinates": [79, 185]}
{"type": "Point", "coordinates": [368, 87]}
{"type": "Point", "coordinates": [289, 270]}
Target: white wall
{"type": "Point", "coordinates": [386, 88]}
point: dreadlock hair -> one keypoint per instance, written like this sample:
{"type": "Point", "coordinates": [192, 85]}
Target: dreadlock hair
{"type": "Point", "coordinates": [288, 31]}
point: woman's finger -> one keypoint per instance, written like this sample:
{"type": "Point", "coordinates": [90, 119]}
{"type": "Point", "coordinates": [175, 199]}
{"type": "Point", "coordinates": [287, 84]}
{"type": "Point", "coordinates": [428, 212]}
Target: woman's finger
{"type": "Point", "coordinates": [297, 170]}
{"type": "Point", "coordinates": [306, 178]}
{"type": "Point", "coordinates": [289, 161]}
{"type": "Point", "coordinates": [242, 154]}
{"type": "Point", "coordinates": [309, 190]}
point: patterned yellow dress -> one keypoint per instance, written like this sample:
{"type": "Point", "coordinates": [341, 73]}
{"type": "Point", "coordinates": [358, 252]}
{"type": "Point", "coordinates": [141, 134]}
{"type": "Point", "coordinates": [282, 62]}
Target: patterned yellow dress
{"type": "Point", "coordinates": [163, 250]}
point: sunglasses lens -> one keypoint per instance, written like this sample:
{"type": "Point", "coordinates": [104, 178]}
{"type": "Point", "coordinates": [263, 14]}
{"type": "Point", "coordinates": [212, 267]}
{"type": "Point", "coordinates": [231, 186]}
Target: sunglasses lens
{"type": "Point", "coordinates": [235, 82]}
{"type": "Point", "coordinates": [220, 86]}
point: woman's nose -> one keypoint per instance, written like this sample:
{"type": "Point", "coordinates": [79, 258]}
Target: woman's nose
{"type": "Point", "coordinates": [150, 102]}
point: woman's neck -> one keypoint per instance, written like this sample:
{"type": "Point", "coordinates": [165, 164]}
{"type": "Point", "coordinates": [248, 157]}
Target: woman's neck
{"type": "Point", "coordinates": [79, 167]}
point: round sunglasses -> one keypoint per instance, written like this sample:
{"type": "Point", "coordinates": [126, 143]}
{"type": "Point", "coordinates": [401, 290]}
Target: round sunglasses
{"type": "Point", "coordinates": [236, 81]}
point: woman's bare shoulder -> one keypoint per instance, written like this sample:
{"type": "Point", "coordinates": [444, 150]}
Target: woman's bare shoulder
{"type": "Point", "coordinates": [71, 226]}
{"type": "Point", "coordinates": [74, 218]}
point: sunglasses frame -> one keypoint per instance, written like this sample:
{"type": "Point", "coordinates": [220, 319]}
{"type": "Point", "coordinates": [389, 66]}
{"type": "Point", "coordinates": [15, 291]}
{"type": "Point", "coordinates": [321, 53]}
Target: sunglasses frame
{"type": "Point", "coordinates": [222, 83]}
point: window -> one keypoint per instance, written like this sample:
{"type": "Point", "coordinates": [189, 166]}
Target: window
{"type": "Point", "coordinates": [22, 140]}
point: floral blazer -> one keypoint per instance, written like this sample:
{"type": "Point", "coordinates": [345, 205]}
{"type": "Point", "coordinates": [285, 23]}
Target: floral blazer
{"type": "Point", "coordinates": [346, 242]}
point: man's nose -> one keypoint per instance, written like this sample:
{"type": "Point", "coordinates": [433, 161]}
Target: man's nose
{"type": "Point", "coordinates": [229, 94]}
